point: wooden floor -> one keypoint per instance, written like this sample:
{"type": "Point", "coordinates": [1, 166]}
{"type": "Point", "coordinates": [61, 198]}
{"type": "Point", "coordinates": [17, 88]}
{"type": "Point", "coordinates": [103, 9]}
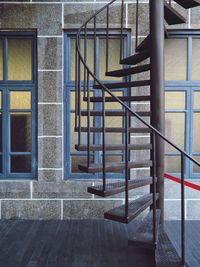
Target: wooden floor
{"type": "Point", "coordinates": [89, 243]}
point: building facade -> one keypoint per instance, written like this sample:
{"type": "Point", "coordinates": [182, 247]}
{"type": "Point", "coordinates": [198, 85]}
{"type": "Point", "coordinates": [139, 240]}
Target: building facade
{"type": "Point", "coordinates": [39, 177]}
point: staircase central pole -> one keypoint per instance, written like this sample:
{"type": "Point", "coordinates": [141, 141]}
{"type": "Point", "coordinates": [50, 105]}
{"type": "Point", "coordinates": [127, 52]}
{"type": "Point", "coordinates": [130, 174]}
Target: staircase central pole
{"type": "Point", "coordinates": [157, 90]}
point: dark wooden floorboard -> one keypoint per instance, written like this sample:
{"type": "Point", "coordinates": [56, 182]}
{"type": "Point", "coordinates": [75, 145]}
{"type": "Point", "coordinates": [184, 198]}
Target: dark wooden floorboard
{"type": "Point", "coordinates": [89, 243]}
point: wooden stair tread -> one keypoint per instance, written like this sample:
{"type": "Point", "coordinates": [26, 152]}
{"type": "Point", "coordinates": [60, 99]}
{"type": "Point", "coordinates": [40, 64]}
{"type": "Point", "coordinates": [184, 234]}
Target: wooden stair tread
{"type": "Point", "coordinates": [122, 98]}
{"type": "Point", "coordinates": [111, 113]}
{"type": "Point", "coordinates": [135, 207]}
{"type": "Point", "coordinates": [136, 58]}
{"type": "Point", "coordinates": [144, 45]}
{"type": "Point", "coordinates": [114, 166]}
{"type": "Point", "coordinates": [113, 130]}
{"type": "Point", "coordinates": [128, 71]}
{"type": "Point", "coordinates": [118, 187]}
{"type": "Point", "coordinates": [172, 16]}
{"type": "Point", "coordinates": [114, 147]}
{"type": "Point", "coordinates": [143, 236]}
{"type": "Point", "coordinates": [188, 3]}
{"type": "Point", "coordinates": [123, 84]}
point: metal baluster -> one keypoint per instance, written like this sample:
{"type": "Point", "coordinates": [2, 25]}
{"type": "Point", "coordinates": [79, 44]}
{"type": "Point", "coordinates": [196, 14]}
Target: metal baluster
{"type": "Point", "coordinates": [95, 47]}
{"type": "Point", "coordinates": [76, 87]}
{"type": "Point", "coordinates": [103, 140]}
{"type": "Point", "coordinates": [136, 24]}
{"type": "Point", "coordinates": [153, 158]}
{"type": "Point", "coordinates": [107, 38]}
{"type": "Point", "coordinates": [182, 208]}
{"type": "Point", "coordinates": [88, 119]}
{"type": "Point", "coordinates": [85, 58]}
{"type": "Point", "coordinates": [122, 24]}
{"type": "Point", "coordinates": [79, 94]}
{"type": "Point", "coordinates": [170, 2]}
{"type": "Point", "coordinates": [126, 162]}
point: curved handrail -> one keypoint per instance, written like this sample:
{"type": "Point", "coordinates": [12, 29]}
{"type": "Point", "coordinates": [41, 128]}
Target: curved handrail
{"type": "Point", "coordinates": [115, 97]}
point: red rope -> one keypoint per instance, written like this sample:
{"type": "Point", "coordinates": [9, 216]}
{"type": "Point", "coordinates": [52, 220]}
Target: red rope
{"type": "Point", "coordinates": [178, 180]}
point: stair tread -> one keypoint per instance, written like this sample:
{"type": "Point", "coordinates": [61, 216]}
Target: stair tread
{"type": "Point", "coordinates": [118, 187]}
{"type": "Point", "coordinates": [188, 3]}
{"type": "Point", "coordinates": [114, 147]}
{"type": "Point", "coordinates": [110, 113]}
{"type": "Point", "coordinates": [122, 98]}
{"type": "Point", "coordinates": [143, 235]}
{"type": "Point", "coordinates": [123, 84]}
{"type": "Point", "coordinates": [136, 58]}
{"type": "Point", "coordinates": [135, 207]}
{"type": "Point", "coordinates": [128, 71]}
{"type": "Point", "coordinates": [172, 16]}
{"type": "Point", "coordinates": [144, 45]}
{"type": "Point", "coordinates": [114, 129]}
{"type": "Point", "coordinates": [114, 166]}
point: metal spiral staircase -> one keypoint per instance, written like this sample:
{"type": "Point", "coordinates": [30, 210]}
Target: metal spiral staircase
{"type": "Point", "coordinates": [87, 83]}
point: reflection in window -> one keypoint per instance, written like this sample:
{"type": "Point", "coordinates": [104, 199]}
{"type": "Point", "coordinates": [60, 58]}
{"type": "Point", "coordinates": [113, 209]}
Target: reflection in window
{"type": "Point", "coordinates": [19, 59]}
{"type": "Point", "coordinates": [172, 164]}
{"type": "Point", "coordinates": [175, 59]}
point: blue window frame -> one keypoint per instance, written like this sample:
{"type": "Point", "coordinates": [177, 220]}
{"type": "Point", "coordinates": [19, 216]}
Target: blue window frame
{"type": "Point", "coordinates": [183, 99]}
{"type": "Point", "coordinates": [71, 157]}
{"type": "Point", "coordinates": [18, 104]}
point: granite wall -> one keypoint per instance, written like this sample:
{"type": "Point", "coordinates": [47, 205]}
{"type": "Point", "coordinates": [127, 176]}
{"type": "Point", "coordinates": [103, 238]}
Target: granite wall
{"type": "Point", "coordinates": [51, 196]}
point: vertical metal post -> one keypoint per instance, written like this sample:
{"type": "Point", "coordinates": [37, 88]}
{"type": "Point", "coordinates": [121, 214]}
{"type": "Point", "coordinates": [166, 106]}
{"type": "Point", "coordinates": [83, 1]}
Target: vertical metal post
{"type": "Point", "coordinates": [182, 209]}
{"type": "Point", "coordinates": [157, 90]}
{"type": "Point", "coordinates": [126, 162]}
{"type": "Point", "coordinates": [103, 140]}
{"type": "Point", "coordinates": [154, 184]}
{"type": "Point", "coordinates": [137, 24]}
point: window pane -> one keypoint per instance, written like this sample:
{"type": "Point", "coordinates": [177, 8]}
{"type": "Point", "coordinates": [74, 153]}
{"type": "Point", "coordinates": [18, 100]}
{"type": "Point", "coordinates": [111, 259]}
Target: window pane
{"type": "Point", "coordinates": [175, 130]}
{"type": "Point", "coordinates": [1, 60]}
{"type": "Point", "coordinates": [175, 100]}
{"type": "Point", "coordinates": [175, 59]}
{"type": "Point", "coordinates": [21, 163]}
{"type": "Point", "coordinates": [113, 58]}
{"type": "Point", "coordinates": [195, 59]}
{"type": "Point", "coordinates": [196, 100]}
{"type": "Point", "coordinates": [172, 164]}
{"type": "Point", "coordinates": [75, 161]}
{"type": "Point", "coordinates": [19, 59]}
{"type": "Point", "coordinates": [196, 132]}
{"type": "Point", "coordinates": [90, 56]}
{"type": "Point", "coordinates": [20, 100]}
{"type": "Point", "coordinates": [196, 168]}
{"type": "Point", "coordinates": [20, 132]}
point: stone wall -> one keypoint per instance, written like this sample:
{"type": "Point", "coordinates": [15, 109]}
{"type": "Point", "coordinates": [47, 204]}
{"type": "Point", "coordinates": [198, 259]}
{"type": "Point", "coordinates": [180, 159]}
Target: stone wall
{"type": "Point", "coordinates": [50, 196]}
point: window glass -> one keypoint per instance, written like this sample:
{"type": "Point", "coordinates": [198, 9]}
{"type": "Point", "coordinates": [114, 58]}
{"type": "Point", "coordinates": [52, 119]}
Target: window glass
{"type": "Point", "coordinates": [90, 56]}
{"type": "Point", "coordinates": [20, 131]}
{"type": "Point", "coordinates": [175, 130]}
{"type": "Point", "coordinates": [196, 132]}
{"type": "Point", "coordinates": [175, 59]}
{"type": "Point", "coordinates": [196, 100]}
{"type": "Point", "coordinates": [196, 168]}
{"type": "Point", "coordinates": [20, 164]}
{"type": "Point", "coordinates": [1, 59]}
{"type": "Point", "coordinates": [113, 60]}
{"type": "Point", "coordinates": [195, 59]}
{"type": "Point", "coordinates": [19, 59]}
{"type": "Point", "coordinates": [172, 164]}
{"type": "Point", "coordinates": [175, 100]}
{"type": "Point", "coordinates": [20, 100]}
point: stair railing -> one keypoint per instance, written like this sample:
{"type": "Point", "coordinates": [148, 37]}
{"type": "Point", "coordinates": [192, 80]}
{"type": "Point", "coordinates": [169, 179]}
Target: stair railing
{"type": "Point", "coordinates": [88, 74]}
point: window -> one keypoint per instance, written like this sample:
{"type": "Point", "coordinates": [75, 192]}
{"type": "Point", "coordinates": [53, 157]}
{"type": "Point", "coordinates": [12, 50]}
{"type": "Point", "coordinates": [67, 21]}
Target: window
{"type": "Point", "coordinates": [182, 98]}
{"type": "Point", "coordinates": [71, 157]}
{"type": "Point", "coordinates": [17, 105]}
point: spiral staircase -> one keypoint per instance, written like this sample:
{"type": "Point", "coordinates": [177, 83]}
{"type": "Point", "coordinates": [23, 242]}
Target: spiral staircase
{"type": "Point", "coordinates": [148, 57]}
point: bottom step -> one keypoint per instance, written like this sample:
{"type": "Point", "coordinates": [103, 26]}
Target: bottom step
{"type": "Point", "coordinates": [143, 237]}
